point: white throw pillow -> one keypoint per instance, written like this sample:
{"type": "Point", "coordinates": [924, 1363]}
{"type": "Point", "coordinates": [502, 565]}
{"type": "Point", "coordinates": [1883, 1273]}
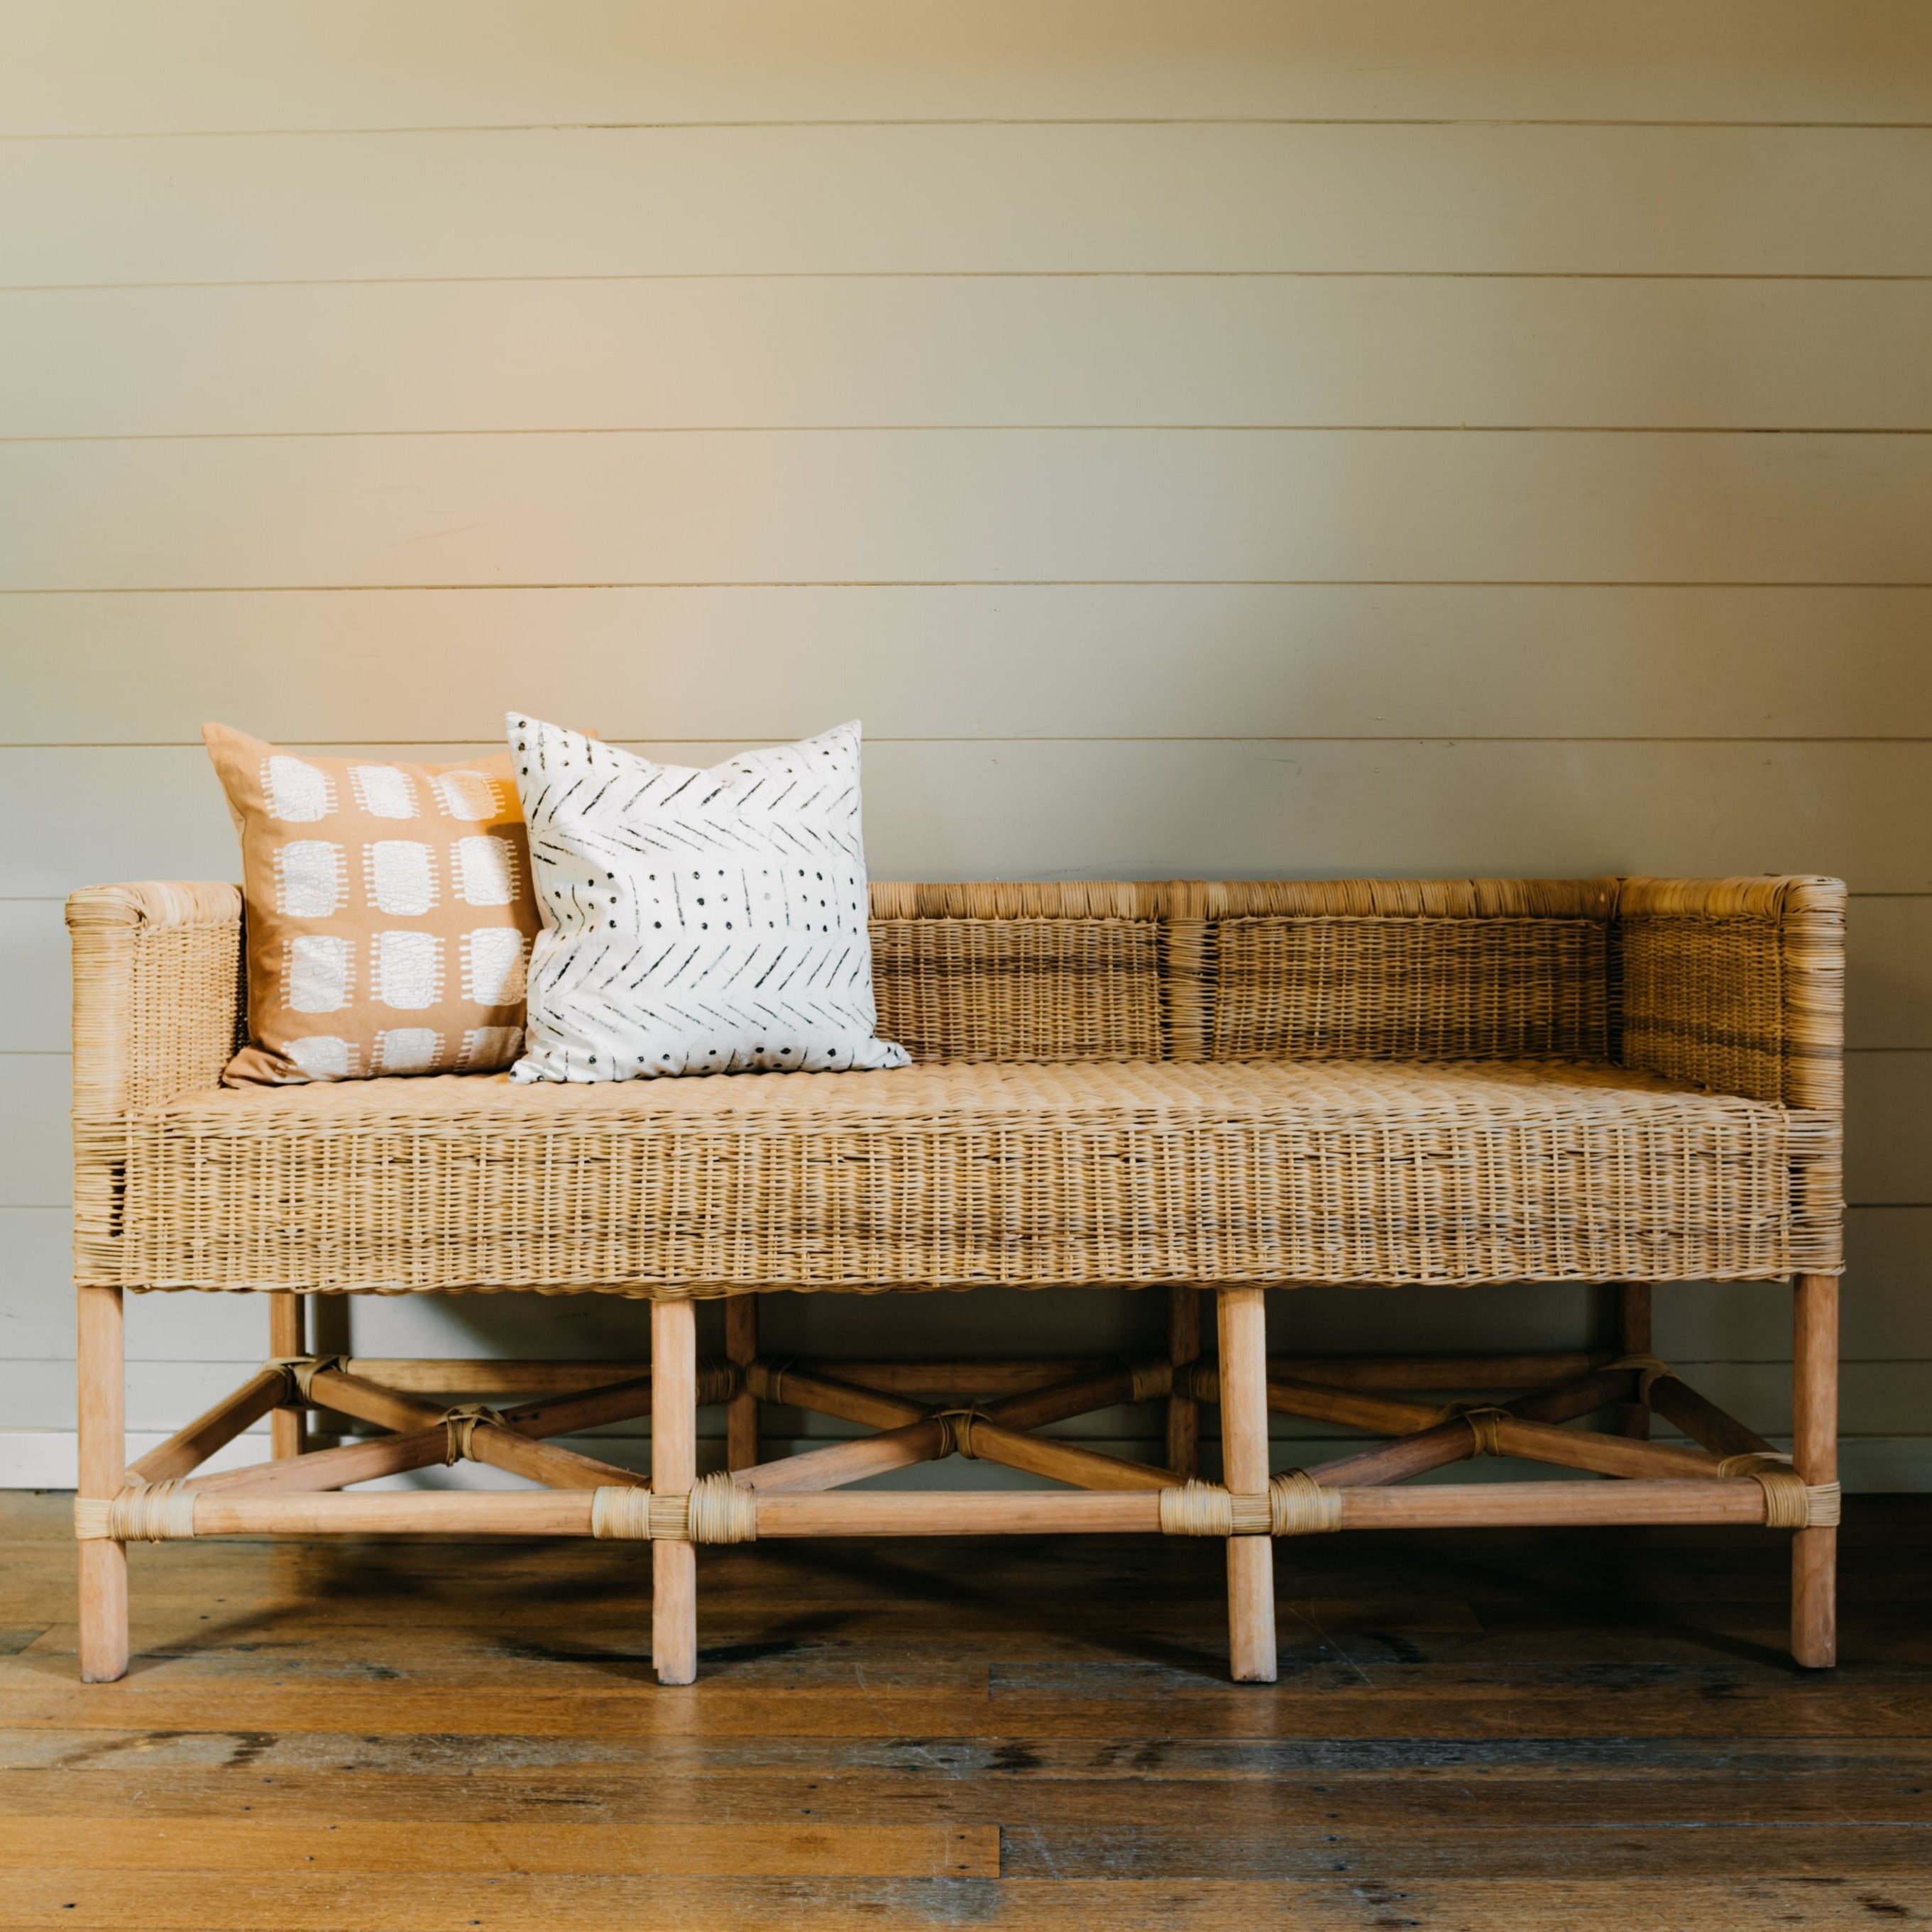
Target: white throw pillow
{"type": "Point", "coordinates": [695, 921]}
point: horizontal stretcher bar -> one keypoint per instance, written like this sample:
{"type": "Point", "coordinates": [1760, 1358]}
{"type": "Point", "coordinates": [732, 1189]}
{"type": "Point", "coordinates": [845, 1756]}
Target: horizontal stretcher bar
{"type": "Point", "coordinates": [995, 1376]}
{"type": "Point", "coordinates": [731, 1514]}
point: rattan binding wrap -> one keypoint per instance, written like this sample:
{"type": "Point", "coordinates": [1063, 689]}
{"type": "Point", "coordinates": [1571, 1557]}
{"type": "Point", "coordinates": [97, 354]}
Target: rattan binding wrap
{"type": "Point", "coordinates": [1454, 1082]}
{"type": "Point", "coordinates": [714, 1510]}
{"type": "Point", "coordinates": [142, 1513]}
{"type": "Point", "coordinates": [1294, 1504]}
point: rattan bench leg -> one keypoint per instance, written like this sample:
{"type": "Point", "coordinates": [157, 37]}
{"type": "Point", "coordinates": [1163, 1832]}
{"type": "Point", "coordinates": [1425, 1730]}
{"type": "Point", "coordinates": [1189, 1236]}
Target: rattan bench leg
{"type": "Point", "coordinates": [1244, 1467]}
{"type": "Point", "coordinates": [1633, 1338]}
{"type": "Point", "coordinates": [1814, 1552]}
{"type": "Point", "coordinates": [103, 1459]}
{"type": "Point", "coordinates": [1184, 1412]}
{"type": "Point", "coordinates": [741, 1412]}
{"type": "Point", "coordinates": [288, 1427]}
{"type": "Point", "coordinates": [673, 1470]}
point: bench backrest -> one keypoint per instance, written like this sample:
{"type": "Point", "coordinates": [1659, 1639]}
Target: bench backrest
{"type": "Point", "coordinates": [1736, 985]}
{"type": "Point", "coordinates": [1359, 969]}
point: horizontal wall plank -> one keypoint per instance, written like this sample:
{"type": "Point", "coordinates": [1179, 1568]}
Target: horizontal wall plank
{"type": "Point", "coordinates": [49, 1458]}
{"type": "Point", "coordinates": [1888, 990]}
{"type": "Point", "coordinates": [36, 1015]}
{"type": "Point", "coordinates": [36, 1149]}
{"type": "Point", "coordinates": [37, 1314]}
{"type": "Point", "coordinates": [748, 663]}
{"type": "Point", "coordinates": [1490, 197]}
{"type": "Point", "coordinates": [1133, 349]}
{"type": "Point", "coordinates": [1875, 1398]}
{"type": "Point", "coordinates": [89, 66]}
{"type": "Point", "coordinates": [1888, 1127]}
{"type": "Point", "coordinates": [979, 505]}
{"type": "Point", "coordinates": [1015, 809]}
{"type": "Point", "coordinates": [1885, 1308]}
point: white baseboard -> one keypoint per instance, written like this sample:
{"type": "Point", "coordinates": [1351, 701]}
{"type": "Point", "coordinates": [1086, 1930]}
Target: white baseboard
{"type": "Point", "coordinates": [46, 1459]}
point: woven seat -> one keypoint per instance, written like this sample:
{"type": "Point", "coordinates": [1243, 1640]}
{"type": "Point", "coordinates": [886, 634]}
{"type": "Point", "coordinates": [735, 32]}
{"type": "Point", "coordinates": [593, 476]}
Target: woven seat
{"type": "Point", "coordinates": [957, 1173]}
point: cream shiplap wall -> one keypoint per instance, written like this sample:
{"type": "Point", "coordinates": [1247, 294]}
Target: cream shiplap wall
{"type": "Point", "coordinates": [1252, 436]}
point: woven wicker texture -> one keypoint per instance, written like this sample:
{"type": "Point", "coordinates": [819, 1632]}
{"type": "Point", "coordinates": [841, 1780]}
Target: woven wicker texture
{"type": "Point", "coordinates": [956, 1173]}
{"type": "Point", "coordinates": [1078, 1120]}
{"type": "Point", "coordinates": [159, 1008]}
{"type": "Point", "coordinates": [1018, 989]}
{"type": "Point", "coordinates": [1379, 989]}
{"type": "Point", "coordinates": [1738, 987]}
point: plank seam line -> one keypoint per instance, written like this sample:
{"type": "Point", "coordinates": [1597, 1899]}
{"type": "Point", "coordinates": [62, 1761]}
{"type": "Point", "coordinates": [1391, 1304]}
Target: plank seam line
{"type": "Point", "coordinates": [916, 122]}
{"type": "Point", "coordinates": [60, 899]}
{"type": "Point", "coordinates": [1416, 738]}
{"type": "Point", "coordinates": [990, 584]}
{"type": "Point", "coordinates": [89, 436]}
{"type": "Point", "coordinates": [986, 275]}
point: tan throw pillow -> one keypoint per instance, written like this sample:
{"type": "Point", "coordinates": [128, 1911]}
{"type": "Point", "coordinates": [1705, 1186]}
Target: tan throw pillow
{"type": "Point", "coordinates": [389, 913]}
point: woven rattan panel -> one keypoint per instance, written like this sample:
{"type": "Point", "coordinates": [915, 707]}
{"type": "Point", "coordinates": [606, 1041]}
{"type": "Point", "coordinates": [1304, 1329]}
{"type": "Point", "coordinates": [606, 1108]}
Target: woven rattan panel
{"type": "Point", "coordinates": [1018, 989]}
{"type": "Point", "coordinates": [950, 1175]}
{"type": "Point", "coordinates": [179, 978]}
{"type": "Point", "coordinates": [1703, 1000]}
{"type": "Point", "coordinates": [1403, 989]}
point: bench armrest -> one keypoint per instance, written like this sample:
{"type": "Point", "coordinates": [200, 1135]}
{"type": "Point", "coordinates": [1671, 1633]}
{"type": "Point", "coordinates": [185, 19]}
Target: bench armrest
{"type": "Point", "coordinates": [1737, 985]}
{"type": "Point", "coordinates": [159, 1008]}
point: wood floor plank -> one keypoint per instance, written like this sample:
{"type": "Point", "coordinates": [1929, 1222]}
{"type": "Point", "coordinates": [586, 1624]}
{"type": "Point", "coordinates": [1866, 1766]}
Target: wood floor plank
{"type": "Point", "coordinates": [1447, 1799]}
{"type": "Point", "coordinates": [1497, 1854]}
{"type": "Point", "coordinates": [509, 1662]}
{"type": "Point", "coordinates": [267, 1756]}
{"type": "Point", "coordinates": [649, 1711]}
{"type": "Point", "coordinates": [88, 1900]}
{"type": "Point", "coordinates": [660, 1848]}
{"type": "Point", "coordinates": [1365, 1711]}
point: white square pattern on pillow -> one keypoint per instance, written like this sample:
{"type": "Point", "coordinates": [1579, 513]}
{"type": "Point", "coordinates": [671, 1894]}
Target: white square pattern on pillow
{"type": "Point", "coordinates": [696, 921]}
{"type": "Point", "coordinates": [389, 911]}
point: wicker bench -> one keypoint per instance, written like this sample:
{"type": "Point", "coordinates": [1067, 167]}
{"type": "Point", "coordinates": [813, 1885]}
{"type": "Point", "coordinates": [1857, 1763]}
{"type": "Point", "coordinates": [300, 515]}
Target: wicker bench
{"type": "Point", "coordinates": [1223, 1087]}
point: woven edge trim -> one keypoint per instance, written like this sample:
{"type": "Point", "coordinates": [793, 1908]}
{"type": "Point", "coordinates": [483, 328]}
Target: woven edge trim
{"type": "Point", "coordinates": [156, 902]}
{"type": "Point", "coordinates": [1594, 898]}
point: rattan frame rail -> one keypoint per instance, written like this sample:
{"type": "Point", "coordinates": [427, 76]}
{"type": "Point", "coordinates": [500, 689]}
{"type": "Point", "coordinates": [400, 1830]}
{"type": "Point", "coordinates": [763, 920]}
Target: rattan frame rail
{"type": "Point", "coordinates": [1728, 987]}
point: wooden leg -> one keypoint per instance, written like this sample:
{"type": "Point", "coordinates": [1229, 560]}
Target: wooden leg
{"type": "Point", "coordinates": [1244, 1460]}
{"type": "Point", "coordinates": [103, 1464]}
{"type": "Point", "coordinates": [1184, 1412]}
{"type": "Point", "coordinates": [1814, 1449]}
{"type": "Point", "coordinates": [673, 1470]}
{"type": "Point", "coordinates": [288, 1428]}
{"type": "Point", "coordinates": [741, 1413]}
{"type": "Point", "coordinates": [1633, 1338]}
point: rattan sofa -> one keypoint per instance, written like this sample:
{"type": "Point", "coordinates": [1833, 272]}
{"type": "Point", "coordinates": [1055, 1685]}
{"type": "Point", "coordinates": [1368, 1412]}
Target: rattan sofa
{"type": "Point", "coordinates": [1190, 1086]}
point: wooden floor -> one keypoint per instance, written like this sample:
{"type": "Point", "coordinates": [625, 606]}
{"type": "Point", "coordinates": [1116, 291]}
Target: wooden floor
{"type": "Point", "coordinates": [1593, 1732]}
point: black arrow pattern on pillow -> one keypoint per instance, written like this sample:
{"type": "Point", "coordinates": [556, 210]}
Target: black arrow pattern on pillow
{"type": "Point", "coordinates": [696, 921]}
